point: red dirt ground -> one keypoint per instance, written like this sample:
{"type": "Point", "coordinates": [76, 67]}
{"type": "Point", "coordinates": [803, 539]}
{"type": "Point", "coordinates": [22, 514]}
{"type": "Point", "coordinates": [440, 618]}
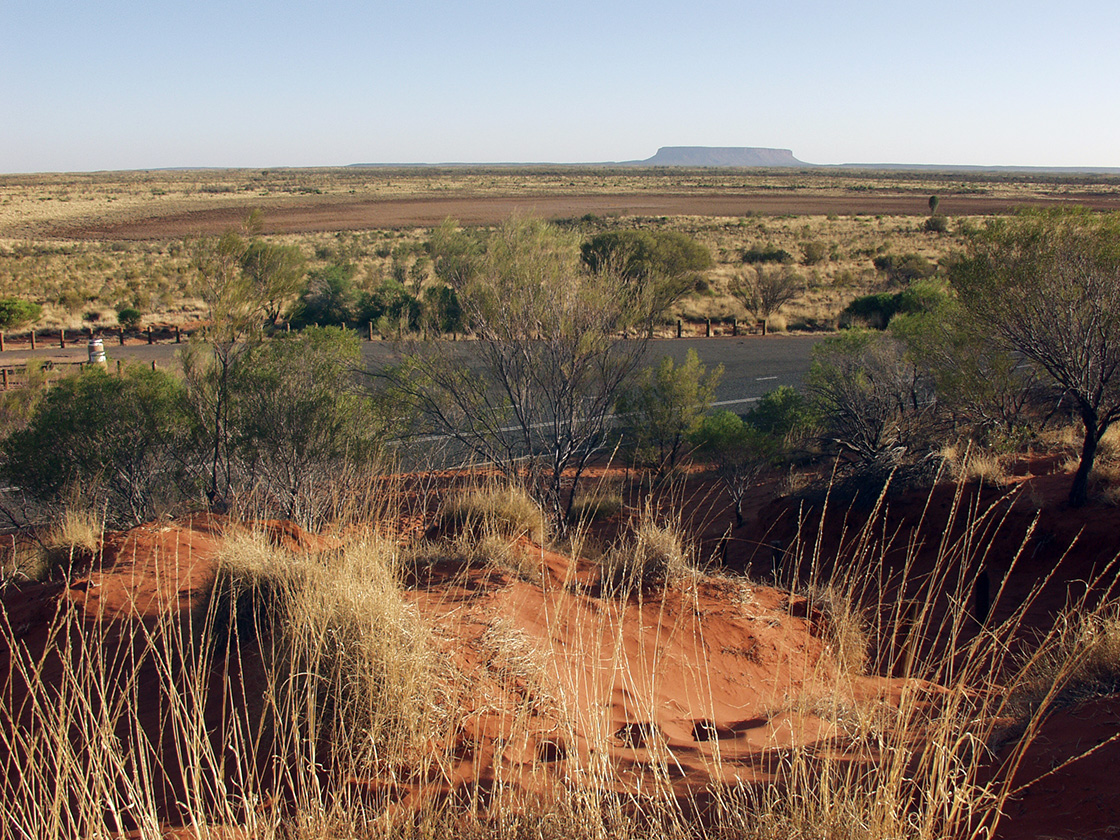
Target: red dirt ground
{"type": "Point", "coordinates": [721, 657]}
{"type": "Point", "coordinates": [332, 214]}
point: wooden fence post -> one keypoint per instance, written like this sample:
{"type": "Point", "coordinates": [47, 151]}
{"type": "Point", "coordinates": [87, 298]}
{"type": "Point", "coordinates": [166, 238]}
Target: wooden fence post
{"type": "Point", "coordinates": [678, 327]}
{"type": "Point", "coordinates": [120, 335]}
{"type": "Point", "coordinates": [1, 341]}
{"type": "Point", "coordinates": [707, 327]}
{"type": "Point", "coordinates": [178, 335]}
{"type": "Point", "coordinates": [33, 339]}
{"type": "Point", "coordinates": [150, 339]}
{"type": "Point", "coordinates": [370, 330]}
{"type": "Point", "coordinates": [62, 339]}
{"type": "Point", "coordinates": [5, 379]}
{"type": "Point", "coordinates": [735, 326]}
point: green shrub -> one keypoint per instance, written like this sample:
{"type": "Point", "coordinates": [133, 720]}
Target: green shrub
{"type": "Point", "coordinates": [765, 254]}
{"type": "Point", "coordinates": [814, 253]}
{"type": "Point", "coordinates": [15, 313]}
{"type": "Point", "coordinates": [782, 413]}
{"type": "Point", "coordinates": [118, 439]}
{"type": "Point", "coordinates": [936, 224]}
{"type": "Point", "coordinates": [128, 317]}
{"type": "Point", "coordinates": [905, 268]}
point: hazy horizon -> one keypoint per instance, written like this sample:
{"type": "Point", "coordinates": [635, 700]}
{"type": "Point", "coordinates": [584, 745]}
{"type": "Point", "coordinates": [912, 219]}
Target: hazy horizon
{"type": "Point", "coordinates": [126, 85]}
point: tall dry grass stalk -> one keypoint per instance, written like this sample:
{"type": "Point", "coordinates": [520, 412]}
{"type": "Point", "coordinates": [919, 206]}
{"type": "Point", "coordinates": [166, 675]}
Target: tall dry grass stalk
{"type": "Point", "coordinates": [311, 692]}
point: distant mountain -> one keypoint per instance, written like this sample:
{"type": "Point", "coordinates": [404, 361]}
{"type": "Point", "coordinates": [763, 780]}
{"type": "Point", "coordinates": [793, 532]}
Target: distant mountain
{"type": "Point", "coordinates": [720, 156]}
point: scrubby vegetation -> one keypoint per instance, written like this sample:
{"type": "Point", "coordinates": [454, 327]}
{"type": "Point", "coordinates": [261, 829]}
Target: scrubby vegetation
{"type": "Point", "coordinates": [448, 651]}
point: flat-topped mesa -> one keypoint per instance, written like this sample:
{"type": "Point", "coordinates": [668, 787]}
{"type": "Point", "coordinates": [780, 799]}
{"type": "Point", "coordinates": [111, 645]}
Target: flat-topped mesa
{"type": "Point", "coordinates": [722, 156]}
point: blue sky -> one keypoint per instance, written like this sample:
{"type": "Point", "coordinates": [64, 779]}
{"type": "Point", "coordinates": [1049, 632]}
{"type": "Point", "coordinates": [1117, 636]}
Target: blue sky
{"type": "Point", "coordinates": [124, 84]}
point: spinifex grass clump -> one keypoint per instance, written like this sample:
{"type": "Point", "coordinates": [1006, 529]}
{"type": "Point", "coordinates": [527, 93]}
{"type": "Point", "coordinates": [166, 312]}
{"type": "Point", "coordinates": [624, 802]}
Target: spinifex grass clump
{"type": "Point", "coordinates": [349, 663]}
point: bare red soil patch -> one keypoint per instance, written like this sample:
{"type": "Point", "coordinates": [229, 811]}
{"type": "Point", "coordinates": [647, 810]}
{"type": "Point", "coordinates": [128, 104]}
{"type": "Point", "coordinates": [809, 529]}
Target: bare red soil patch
{"type": "Point", "coordinates": [331, 214]}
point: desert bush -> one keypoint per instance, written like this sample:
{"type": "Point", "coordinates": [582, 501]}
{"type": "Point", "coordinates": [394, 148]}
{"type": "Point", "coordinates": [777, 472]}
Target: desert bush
{"type": "Point", "coordinates": [877, 310]}
{"type": "Point", "coordinates": [814, 252]}
{"type": "Point", "coordinates": [664, 406]}
{"type": "Point", "coordinates": [296, 423]}
{"type": "Point", "coordinates": [120, 439]}
{"type": "Point", "coordinates": [600, 501]}
{"type": "Point", "coordinates": [766, 290]}
{"type": "Point", "coordinates": [347, 658]}
{"type": "Point", "coordinates": [871, 399]}
{"type": "Point", "coordinates": [129, 317]}
{"type": "Point", "coordinates": [15, 313]}
{"type": "Point", "coordinates": [392, 305]}
{"type": "Point", "coordinates": [904, 268]}
{"type": "Point", "coordinates": [1078, 659]}
{"type": "Point", "coordinates": [329, 300]}
{"type": "Point", "coordinates": [661, 266]}
{"type": "Point", "coordinates": [782, 413]}
{"type": "Point", "coordinates": [766, 254]}
{"type": "Point", "coordinates": [936, 224]}
{"type": "Point", "coordinates": [737, 451]}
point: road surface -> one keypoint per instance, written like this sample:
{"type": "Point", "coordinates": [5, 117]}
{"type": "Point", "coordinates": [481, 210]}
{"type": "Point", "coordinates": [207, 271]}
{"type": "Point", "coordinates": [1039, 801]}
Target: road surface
{"type": "Point", "coordinates": [752, 364]}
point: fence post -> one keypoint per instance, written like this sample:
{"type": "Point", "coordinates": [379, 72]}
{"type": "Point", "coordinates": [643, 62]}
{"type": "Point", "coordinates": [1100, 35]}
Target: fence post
{"type": "Point", "coordinates": [370, 331]}
{"type": "Point", "coordinates": [678, 327]}
{"type": "Point", "coordinates": [33, 339]}
{"type": "Point", "coordinates": [735, 326]}
{"type": "Point", "coordinates": [62, 338]}
{"type": "Point", "coordinates": [178, 335]}
{"type": "Point", "coordinates": [707, 327]}
{"type": "Point", "coordinates": [1, 341]}
{"type": "Point", "coordinates": [120, 335]}
{"type": "Point", "coordinates": [5, 379]}
{"type": "Point", "coordinates": [762, 324]}
{"type": "Point", "coordinates": [153, 364]}
{"type": "Point", "coordinates": [150, 339]}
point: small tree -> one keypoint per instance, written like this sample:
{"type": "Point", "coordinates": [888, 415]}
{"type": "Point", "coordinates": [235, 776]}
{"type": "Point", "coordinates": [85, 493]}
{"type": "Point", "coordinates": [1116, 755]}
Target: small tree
{"type": "Point", "coordinates": [119, 440]}
{"type": "Point", "coordinates": [739, 453]}
{"type": "Point", "coordinates": [871, 399]}
{"type": "Point", "coordinates": [665, 406]}
{"type": "Point", "coordinates": [276, 273]}
{"type": "Point", "coordinates": [550, 361]}
{"type": "Point", "coordinates": [766, 289]}
{"type": "Point", "coordinates": [662, 266]}
{"type": "Point", "coordinates": [15, 313]}
{"type": "Point", "coordinates": [1047, 286]}
{"type": "Point", "coordinates": [298, 423]}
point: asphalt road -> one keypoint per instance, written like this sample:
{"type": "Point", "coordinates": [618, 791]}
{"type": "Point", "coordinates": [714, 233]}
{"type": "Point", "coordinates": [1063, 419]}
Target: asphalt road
{"type": "Point", "coordinates": [752, 364]}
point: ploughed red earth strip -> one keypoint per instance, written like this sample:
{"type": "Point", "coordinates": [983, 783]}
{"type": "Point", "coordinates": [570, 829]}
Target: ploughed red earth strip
{"type": "Point", "coordinates": [331, 214]}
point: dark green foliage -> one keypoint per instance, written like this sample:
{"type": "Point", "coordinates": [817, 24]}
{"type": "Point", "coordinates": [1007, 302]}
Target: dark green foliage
{"type": "Point", "coordinates": [391, 305]}
{"type": "Point", "coordinates": [276, 273]}
{"type": "Point", "coordinates": [15, 313]}
{"type": "Point", "coordinates": [814, 253]}
{"type": "Point", "coordinates": [662, 266]}
{"type": "Point", "coordinates": [643, 254]}
{"type": "Point", "coordinates": [739, 453]}
{"type": "Point", "coordinates": [877, 310]}
{"type": "Point", "coordinates": [128, 317]}
{"type": "Point", "coordinates": [766, 253]}
{"type": "Point", "coordinates": [665, 406]}
{"type": "Point", "coordinates": [905, 268]}
{"type": "Point", "coordinates": [118, 440]}
{"type": "Point", "coordinates": [782, 413]}
{"type": "Point", "coordinates": [443, 310]}
{"type": "Point", "coordinates": [872, 401]}
{"type": "Point", "coordinates": [1046, 285]}
{"type": "Point", "coordinates": [330, 299]}
{"type": "Point", "coordinates": [936, 224]}
{"type": "Point", "coordinates": [297, 421]}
